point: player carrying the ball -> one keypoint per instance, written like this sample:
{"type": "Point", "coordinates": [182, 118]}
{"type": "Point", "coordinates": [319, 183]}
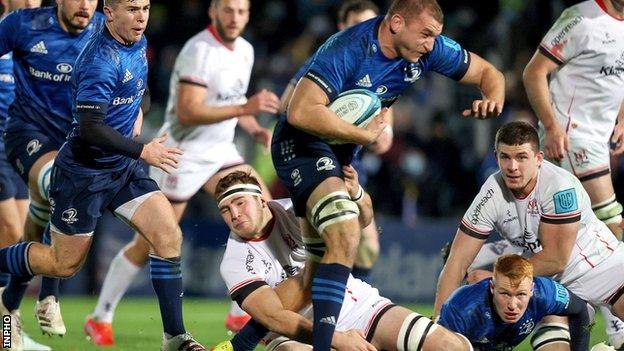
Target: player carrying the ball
{"type": "Point", "coordinates": [384, 55]}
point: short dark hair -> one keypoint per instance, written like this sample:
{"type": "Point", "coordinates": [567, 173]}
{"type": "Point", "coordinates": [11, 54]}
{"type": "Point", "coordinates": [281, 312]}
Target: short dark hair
{"type": "Point", "coordinates": [412, 8]}
{"type": "Point", "coordinates": [236, 177]}
{"type": "Point", "coordinates": [517, 133]}
{"type": "Point", "coordinates": [356, 6]}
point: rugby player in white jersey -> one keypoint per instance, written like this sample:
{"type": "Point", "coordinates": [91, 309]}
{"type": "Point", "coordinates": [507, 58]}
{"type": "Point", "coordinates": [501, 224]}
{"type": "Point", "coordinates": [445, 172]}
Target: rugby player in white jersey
{"type": "Point", "coordinates": [543, 210]}
{"type": "Point", "coordinates": [265, 248]}
{"type": "Point", "coordinates": [574, 83]}
{"type": "Point", "coordinates": [206, 102]}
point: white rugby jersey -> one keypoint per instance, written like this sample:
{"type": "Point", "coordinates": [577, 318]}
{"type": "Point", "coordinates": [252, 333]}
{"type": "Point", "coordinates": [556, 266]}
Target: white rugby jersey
{"type": "Point", "coordinates": [588, 87]}
{"type": "Point", "coordinates": [225, 73]}
{"type": "Point", "coordinates": [269, 260]}
{"type": "Point", "coordinates": [558, 197]}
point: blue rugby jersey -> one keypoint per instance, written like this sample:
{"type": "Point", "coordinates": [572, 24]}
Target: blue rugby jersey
{"type": "Point", "coordinates": [109, 77]}
{"type": "Point", "coordinates": [43, 56]}
{"type": "Point", "coordinates": [352, 59]}
{"type": "Point", "coordinates": [470, 312]}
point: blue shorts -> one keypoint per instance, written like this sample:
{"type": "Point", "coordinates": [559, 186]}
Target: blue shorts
{"type": "Point", "coordinates": [303, 161]}
{"type": "Point", "coordinates": [25, 147]}
{"type": "Point", "coordinates": [78, 200]}
{"type": "Point", "coordinates": [11, 185]}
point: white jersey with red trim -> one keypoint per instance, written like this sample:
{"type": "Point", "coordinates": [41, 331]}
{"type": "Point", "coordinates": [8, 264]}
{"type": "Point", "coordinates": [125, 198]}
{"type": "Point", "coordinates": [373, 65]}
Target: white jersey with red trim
{"type": "Point", "coordinates": [204, 61]}
{"type": "Point", "coordinates": [558, 198]}
{"type": "Point", "coordinates": [588, 87]}
{"type": "Point", "coordinates": [269, 260]}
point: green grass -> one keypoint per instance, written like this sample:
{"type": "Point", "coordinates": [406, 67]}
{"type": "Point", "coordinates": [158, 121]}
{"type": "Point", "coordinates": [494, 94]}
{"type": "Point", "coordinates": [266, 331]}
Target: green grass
{"type": "Point", "coordinates": [137, 323]}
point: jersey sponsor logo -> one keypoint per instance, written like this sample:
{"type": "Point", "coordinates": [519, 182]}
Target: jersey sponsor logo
{"type": "Point", "coordinates": [118, 100]}
{"type": "Point", "coordinates": [7, 78]}
{"type": "Point", "coordinates": [510, 218]}
{"type": "Point", "coordinates": [249, 262]}
{"type": "Point", "coordinates": [474, 217]}
{"type": "Point", "coordinates": [608, 39]}
{"type": "Point", "coordinates": [565, 201]}
{"type": "Point", "coordinates": [69, 216]}
{"type": "Point", "coordinates": [412, 72]}
{"type": "Point", "coordinates": [39, 48]}
{"type": "Point", "coordinates": [290, 270]}
{"type": "Point", "coordinates": [320, 81]}
{"type": "Point", "coordinates": [55, 77]}
{"type": "Point", "coordinates": [612, 70]}
{"type": "Point", "coordinates": [33, 146]}
{"type": "Point", "coordinates": [267, 266]}
{"type": "Point", "coordinates": [64, 67]}
{"type": "Point", "coordinates": [559, 38]}
{"type": "Point", "coordinates": [364, 82]}
{"type": "Point", "coordinates": [127, 76]}
{"type": "Point", "coordinates": [325, 164]}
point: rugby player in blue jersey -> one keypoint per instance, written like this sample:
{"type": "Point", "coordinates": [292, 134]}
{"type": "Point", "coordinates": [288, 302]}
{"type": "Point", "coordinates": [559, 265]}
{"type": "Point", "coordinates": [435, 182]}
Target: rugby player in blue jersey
{"type": "Point", "coordinates": [384, 55]}
{"type": "Point", "coordinates": [45, 43]}
{"type": "Point", "coordinates": [499, 312]}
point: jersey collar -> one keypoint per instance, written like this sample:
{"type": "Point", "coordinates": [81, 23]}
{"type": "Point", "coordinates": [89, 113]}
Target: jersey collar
{"type": "Point", "coordinates": [211, 28]}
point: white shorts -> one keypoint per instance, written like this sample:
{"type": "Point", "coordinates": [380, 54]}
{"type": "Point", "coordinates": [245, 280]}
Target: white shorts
{"type": "Point", "coordinates": [194, 170]}
{"type": "Point", "coordinates": [603, 281]}
{"type": "Point", "coordinates": [587, 159]}
{"type": "Point", "coordinates": [362, 306]}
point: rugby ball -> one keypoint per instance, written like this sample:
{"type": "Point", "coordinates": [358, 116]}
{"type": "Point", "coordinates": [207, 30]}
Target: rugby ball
{"type": "Point", "coordinates": [357, 106]}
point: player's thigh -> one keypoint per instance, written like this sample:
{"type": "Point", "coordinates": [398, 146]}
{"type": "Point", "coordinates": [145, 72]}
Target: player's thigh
{"type": "Point", "coordinates": [70, 249]}
{"type": "Point", "coordinates": [600, 189]}
{"type": "Point", "coordinates": [283, 343]}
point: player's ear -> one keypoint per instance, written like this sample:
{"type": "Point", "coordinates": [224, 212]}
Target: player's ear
{"type": "Point", "coordinates": [396, 23]}
{"type": "Point", "coordinates": [540, 157]}
{"type": "Point", "coordinates": [108, 12]}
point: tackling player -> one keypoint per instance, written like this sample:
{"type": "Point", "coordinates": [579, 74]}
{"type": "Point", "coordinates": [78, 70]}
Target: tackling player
{"type": "Point", "coordinates": [499, 312]}
{"type": "Point", "coordinates": [574, 84]}
{"type": "Point", "coordinates": [543, 210]}
{"type": "Point", "coordinates": [265, 248]}
{"type": "Point", "coordinates": [384, 55]}
{"type": "Point", "coordinates": [206, 102]}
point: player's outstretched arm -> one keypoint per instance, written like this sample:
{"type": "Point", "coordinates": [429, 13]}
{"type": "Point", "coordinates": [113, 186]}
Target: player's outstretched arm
{"type": "Point", "coordinates": [192, 109]}
{"type": "Point", "coordinates": [492, 84]}
{"type": "Point", "coordinates": [265, 306]}
{"type": "Point", "coordinates": [535, 78]}
{"type": "Point", "coordinates": [463, 251]}
{"type": "Point", "coordinates": [557, 242]}
{"type": "Point", "coordinates": [308, 111]}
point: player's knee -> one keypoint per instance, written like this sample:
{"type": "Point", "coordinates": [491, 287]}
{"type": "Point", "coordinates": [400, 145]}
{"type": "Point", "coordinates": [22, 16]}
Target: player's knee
{"type": "Point", "coordinates": [609, 211]}
{"type": "Point", "coordinates": [414, 332]}
{"type": "Point", "coordinates": [167, 237]}
{"type": "Point", "coordinates": [67, 267]}
{"type": "Point", "coordinates": [332, 216]}
{"type": "Point", "coordinates": [549, 334]}
{"type": "Point", "coordinates": [39, 212]}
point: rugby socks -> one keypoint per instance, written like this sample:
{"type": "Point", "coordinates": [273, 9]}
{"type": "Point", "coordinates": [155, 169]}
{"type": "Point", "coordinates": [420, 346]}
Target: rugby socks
{"type": "Point", "coordinates": [120, 275]}
{"type": "Point", "coordinates": [363, 274]}
{"type": "Point", "coordinates": [249, 337]}
{"type": "Point", "coordinates": [614, 328]}
{"type": "Point", "coordinates": [49, 285]}
{"type": "Point", "coordinates": [14, 293]}
{"type": "Point", "coordinates": [14, 260]}
{"type": "Point", "coordinates": [167, 281]}
{"type": "Point", "coordinates": [328, 290]}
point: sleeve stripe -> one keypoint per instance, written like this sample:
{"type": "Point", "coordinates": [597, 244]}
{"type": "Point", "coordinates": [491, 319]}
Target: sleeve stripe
{"type": "Point", "coordinates": [559, 216]}
{"type": "Point", "coordinates": [241, 294]}
{"type": "Point", "coordinates": [473, 228]}
{"type": "Point", "coordinates": [322, 83]}
{"type": "Point", "coordinates": [243, 283]}
{"type": "Point", "coordinates": [472, 233]}
{"type": "Point", "coordinates": [463, 68]}
{"type": "Point", "coordinates": [561, 220]}
{"type": "Point", "coordinates": [193, 81]}
{"type": "Point", "coordinates": [551, 56]}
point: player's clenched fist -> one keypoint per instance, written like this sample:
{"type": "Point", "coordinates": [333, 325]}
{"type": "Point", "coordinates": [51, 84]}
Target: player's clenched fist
{"type": "Point", "coordinates": [263, 101]}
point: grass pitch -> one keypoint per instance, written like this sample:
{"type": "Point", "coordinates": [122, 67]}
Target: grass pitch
{"type": "Point", "coordinates": [137, 323]}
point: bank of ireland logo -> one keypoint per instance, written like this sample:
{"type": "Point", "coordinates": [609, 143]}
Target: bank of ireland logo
{"type": "Point", "coordinates": [565, 201]}
{"type": "Point", "coordinates": [33, 146]}
{"type": "Point", "coordinates": [69, 216]}
{"type": "Point", "coordinates": [325, 164]}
